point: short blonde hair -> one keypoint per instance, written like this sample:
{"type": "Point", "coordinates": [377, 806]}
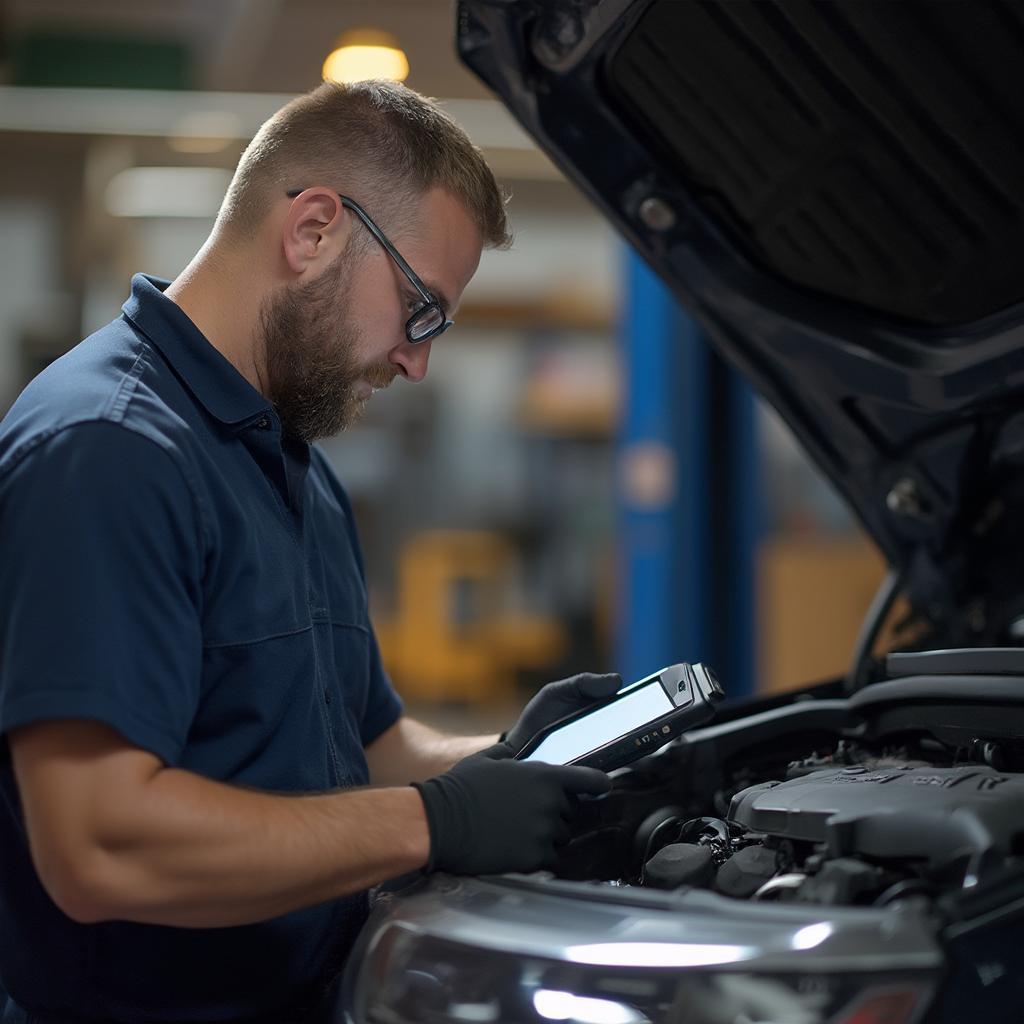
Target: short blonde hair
{"type": "Point", "coordinates": [378, 142]}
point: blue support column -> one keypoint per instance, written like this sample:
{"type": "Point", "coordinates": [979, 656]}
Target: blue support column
{"type": "Point", "coordinates": [661, 469]}
{"type": "Point", "coordinates": [688, 495]}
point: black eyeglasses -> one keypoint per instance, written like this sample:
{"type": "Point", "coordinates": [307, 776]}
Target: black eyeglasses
{"type": "Point", "coordinates": [428, 320]}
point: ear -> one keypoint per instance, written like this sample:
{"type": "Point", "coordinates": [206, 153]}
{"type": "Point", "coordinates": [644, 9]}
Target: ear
{"type": "Point", "coordinates": [315, 230]}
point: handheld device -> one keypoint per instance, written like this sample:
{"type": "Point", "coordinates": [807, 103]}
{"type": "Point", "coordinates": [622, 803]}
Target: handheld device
{"type": "Point", "coordinates": [637, 720]}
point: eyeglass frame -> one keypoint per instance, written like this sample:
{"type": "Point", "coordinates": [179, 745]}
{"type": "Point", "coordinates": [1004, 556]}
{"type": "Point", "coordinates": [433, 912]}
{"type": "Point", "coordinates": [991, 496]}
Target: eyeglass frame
{"type": "Point", "coordinates": [430, 301]}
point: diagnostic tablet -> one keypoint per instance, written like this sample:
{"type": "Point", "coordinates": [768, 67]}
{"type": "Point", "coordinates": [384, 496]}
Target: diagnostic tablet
{"type": "Point", "coordinates": [637, 720]}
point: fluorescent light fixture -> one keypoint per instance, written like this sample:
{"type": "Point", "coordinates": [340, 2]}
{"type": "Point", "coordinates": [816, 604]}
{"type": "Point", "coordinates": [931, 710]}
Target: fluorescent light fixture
{"type": "Point", "coordinates": [553, 1004]}
{"type": "Point", "coordinates": [169, 114]}
{"type": "Point", "coordinates": [657, 954]}
{"type": "Point", "coordinates": [205, 131]}
{"type": "Point", "coordinates": [366, 53]}
{"type": "Point", "coordinates": [167, 191]}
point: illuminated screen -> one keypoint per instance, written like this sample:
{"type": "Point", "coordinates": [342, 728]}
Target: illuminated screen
{"type": "Point", "coordinates": [607, 723]}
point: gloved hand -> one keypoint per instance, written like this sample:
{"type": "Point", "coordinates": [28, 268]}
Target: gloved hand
{"type": "Point", "coordinates": [490, 814]}
{"type": "Point", "coordinates": [556, 700]}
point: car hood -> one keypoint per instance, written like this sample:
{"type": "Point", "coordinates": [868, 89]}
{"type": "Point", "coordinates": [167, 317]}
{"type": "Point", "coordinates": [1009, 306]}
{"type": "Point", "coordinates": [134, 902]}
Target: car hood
{"type": "Point", "coordinates": [834, 191]}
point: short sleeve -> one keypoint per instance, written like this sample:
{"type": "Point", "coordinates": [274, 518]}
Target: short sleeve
{"type": "Point", "coordinates": [383, 705]}
{"type": "Point", "coordinates": [100, 583]}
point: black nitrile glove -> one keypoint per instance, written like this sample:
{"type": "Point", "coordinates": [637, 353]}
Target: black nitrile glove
{"type": "Point", "coordinates": [490, 814]}
{"type": "Point", "coordinates": [556, 700]}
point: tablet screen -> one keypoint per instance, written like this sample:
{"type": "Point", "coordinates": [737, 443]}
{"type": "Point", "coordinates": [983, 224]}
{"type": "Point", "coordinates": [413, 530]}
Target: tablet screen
{"type": "Point", "coordinates": [606, 723]}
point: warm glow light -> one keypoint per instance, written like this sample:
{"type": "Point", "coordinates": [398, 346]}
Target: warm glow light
{"type": "Point", "coordinates": [366, 53]}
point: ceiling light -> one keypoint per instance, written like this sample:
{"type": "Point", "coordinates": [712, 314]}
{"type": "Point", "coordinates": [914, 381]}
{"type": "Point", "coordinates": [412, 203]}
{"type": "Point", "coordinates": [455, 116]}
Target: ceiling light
{"type": "Point", "coordinates": [167, 191]}
{"type": "Point", "coordinates": [205, 131]}
{"type": "Point", "coordinates": [366, 53]}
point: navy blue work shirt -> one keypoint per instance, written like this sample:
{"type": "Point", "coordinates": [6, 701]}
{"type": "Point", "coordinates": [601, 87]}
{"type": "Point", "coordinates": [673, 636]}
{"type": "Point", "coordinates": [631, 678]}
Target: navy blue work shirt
{"type": "Point", "coordinates": [173, 567]}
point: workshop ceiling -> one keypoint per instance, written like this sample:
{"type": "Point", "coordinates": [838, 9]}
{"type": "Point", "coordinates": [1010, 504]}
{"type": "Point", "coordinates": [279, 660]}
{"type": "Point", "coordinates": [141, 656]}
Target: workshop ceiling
{"type": "Point", "coordinates": [268, 46]}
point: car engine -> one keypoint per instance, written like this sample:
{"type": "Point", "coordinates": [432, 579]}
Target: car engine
{"type": "Point", "coordinates": [846, 829]}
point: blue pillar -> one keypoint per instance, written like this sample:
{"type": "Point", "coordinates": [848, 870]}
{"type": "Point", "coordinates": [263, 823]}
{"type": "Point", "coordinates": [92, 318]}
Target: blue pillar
{"type": "Point", "coordinates": [662, 466]}
{"type": "Point", "coordinates": [688, 495]}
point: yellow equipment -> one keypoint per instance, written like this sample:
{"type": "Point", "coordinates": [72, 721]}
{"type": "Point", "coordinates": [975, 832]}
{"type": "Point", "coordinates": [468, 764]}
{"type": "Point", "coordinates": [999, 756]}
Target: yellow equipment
{"type": "Point", "coordinates": [453, 636]}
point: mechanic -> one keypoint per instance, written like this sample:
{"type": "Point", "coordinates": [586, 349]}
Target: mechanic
{"type": "Point", "coordinates": [204, 766]}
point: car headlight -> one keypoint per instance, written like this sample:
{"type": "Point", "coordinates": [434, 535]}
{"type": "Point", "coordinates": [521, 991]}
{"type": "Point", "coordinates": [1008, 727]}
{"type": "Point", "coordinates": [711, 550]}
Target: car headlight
{"type": "Point", "coordinates": [409, 977]}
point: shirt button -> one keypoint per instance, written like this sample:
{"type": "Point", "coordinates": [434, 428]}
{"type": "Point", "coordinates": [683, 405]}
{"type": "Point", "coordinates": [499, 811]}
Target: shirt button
{"type": "Point", "coordinates": [263, 424]}
{"type": "Point", "coordinates": [327, 696]}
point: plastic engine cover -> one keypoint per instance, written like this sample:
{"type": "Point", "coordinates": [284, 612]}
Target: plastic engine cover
{"type": "Point", "coordinates": [933, 814]}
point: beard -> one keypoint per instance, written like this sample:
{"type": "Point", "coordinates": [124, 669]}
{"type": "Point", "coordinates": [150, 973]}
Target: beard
{"type": "Point", "coordinates": [310, 348]}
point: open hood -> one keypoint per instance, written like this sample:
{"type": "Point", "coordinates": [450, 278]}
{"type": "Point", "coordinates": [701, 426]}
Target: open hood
{"type": "Point", "coordinates": [835, 190]}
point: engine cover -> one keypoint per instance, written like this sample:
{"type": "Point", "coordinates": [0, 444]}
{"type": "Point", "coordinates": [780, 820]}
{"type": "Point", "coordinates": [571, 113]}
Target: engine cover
{"type": "Point", "coordinates": [933, 814]}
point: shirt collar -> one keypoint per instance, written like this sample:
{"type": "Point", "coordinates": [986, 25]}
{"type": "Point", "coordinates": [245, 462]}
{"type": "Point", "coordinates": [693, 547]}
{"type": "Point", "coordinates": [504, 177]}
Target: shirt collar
{"type": "Point", "coordinates": [217, 385]}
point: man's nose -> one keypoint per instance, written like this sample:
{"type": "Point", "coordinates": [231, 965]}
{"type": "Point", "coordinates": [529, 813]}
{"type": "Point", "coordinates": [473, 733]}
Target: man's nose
{"type": "Point", "coordinates": [412, 360]}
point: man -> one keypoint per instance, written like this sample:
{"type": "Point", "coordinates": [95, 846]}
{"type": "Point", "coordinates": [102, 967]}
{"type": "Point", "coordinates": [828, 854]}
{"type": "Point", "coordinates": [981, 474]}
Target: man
{"type": "Point", "coordinates": [191, 694]}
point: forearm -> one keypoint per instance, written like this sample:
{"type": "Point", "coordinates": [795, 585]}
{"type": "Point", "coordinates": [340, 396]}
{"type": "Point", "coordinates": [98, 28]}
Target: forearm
{"type": "Point", "coordinates": [197, 853]}
{"type": "Point", "coordinates": [410, 752]}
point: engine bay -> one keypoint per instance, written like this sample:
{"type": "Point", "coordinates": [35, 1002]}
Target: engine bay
{"type": "Point", "coordinates": [872, 831]}
{"type": "Point", "coordinates": [913, 791]}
